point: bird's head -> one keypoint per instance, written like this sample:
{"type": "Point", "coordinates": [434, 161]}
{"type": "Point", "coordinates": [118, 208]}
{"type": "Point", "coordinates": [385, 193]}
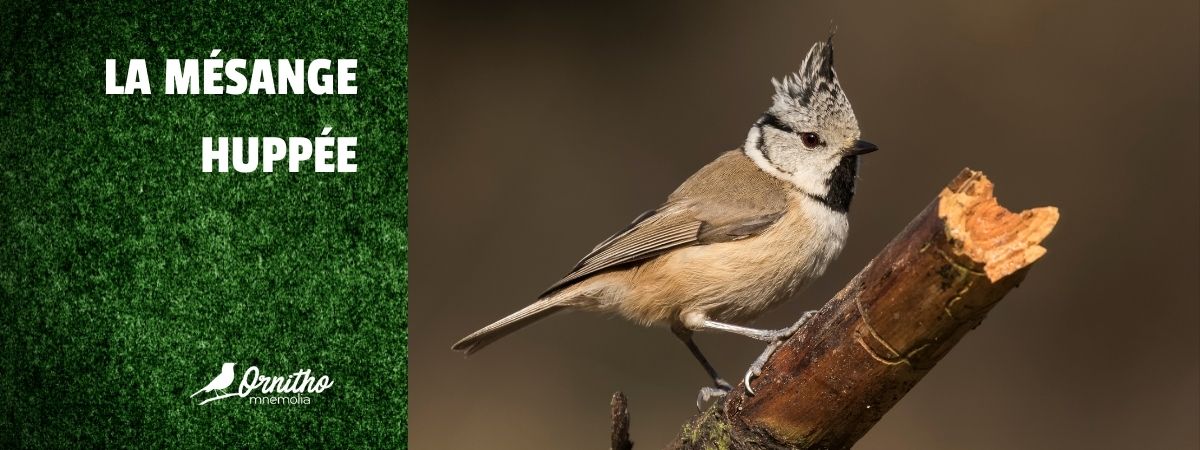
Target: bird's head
{"type": "Point", "coordinates": [227, 365]}
{"type": "Point", "coordinates": [810, 127]}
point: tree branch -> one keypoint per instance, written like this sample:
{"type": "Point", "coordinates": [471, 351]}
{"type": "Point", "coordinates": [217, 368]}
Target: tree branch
{"type": "Point", "coordinates": [863, 351]}
{"type": "Point", "coordinates": [620, 423]}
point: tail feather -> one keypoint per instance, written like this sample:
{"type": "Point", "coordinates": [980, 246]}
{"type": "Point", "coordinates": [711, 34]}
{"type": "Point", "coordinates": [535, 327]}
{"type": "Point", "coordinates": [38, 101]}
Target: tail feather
{"type": "Point", "coordinates": [503, 327]}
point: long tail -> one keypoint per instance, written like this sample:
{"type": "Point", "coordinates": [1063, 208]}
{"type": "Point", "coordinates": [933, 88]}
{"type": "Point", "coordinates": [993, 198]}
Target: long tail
{"type": "Point", "coordinates": [197, 392]}
{"type": "Point", "coordinates": [513, 322]}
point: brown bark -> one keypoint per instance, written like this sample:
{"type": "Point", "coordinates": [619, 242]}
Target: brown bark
{"type": "Point", "coordinates": [620, 423]}
{"type": "Point", "coordinates": [863, 351]}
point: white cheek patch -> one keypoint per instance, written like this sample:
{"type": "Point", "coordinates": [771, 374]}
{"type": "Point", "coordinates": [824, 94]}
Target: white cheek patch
{"type": "Point", "coordinates": [805, 180]}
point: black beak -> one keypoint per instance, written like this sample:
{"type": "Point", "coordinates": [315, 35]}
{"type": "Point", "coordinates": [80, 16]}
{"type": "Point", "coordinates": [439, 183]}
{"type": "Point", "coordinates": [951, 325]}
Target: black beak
{"type": "Point", "coordinates": [861, 148]}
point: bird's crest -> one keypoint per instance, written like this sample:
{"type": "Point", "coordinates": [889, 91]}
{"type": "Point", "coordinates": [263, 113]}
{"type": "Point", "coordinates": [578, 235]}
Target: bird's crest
{"type": "Point", "coordinates": [815, 85]}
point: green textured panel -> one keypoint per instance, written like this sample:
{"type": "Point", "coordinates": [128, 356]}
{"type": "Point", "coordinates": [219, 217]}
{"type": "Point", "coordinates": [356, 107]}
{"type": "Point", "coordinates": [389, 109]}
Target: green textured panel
{"type": "Point", "coordinates": [127, 275]}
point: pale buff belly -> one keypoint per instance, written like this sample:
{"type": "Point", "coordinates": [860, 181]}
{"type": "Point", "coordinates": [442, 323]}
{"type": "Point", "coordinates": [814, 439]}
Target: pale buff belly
{"type": "Point", "coordinates": [733, 281]}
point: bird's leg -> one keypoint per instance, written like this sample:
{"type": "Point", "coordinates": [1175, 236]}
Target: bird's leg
{"type": "Point", "coordinates": [752, 333]}
{"type": "Point", "coordinates": [773, 337]}
{"type": "Point", "coordinates": [720, 387]}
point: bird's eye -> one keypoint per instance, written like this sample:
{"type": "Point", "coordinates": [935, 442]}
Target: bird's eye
{"type": "Point", "coordinates": [810, 140]}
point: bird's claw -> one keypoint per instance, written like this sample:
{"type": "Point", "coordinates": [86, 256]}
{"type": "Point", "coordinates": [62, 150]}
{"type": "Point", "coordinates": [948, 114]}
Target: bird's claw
{"type": "Point", "coordinates": [789, 331]}
{"type": "Point", "coordinates": [751, 374]}
{"type": "Point", "coordinates": [756, 367]}
{"type": "Point", "coordinates": [781, 335]}
{"type": "Point", "coordinates": [707, 393]}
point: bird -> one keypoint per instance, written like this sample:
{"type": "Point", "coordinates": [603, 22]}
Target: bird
{"type": "Point", "coordinates": [738, 237]}
{"type": "Point", "coordinates": [221, 382]}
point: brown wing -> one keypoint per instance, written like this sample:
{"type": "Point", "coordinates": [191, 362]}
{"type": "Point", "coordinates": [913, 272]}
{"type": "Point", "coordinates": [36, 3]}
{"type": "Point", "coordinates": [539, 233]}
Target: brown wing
{"type": "Point", "coordinates": [666, 229]}
{"type": "Point", "coordinates": [729, 199]}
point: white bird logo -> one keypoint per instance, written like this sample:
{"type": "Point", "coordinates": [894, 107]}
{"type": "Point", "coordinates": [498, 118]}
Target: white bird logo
{"type": "Point", "coordinates": [221, 382]}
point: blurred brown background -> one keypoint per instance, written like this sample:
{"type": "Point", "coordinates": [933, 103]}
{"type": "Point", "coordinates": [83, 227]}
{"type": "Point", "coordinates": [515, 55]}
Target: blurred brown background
{"type": "Point", "coordinates": [540, 128]}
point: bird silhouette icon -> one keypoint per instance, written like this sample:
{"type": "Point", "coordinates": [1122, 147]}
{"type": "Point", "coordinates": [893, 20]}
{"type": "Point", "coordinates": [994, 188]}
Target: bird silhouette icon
{"type": "Point", "coordinates": [221, 382]}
